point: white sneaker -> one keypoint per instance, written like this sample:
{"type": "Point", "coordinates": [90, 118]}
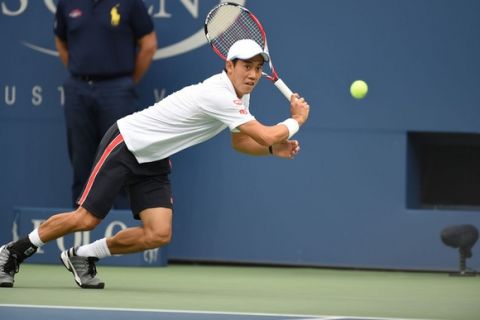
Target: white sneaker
{"type": "Point", "coordinates": [83, 269]}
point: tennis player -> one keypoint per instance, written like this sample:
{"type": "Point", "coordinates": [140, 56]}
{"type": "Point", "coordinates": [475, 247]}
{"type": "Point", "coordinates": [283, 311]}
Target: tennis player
{"type": "Point", "coordinates": [135, 153]}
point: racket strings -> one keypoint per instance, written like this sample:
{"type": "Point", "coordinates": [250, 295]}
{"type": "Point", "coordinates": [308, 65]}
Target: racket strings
{"type": "Point", "coordinates": [229, 24]}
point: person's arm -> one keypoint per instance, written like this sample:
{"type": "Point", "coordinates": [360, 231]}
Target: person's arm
{"type": "Point", "coordinates": [147, 47]}
{"type": "Point", "coordinates": [245, 144]}
{"type": "Point", "coordinates": [62, 49]}
{"type": "Point", "coordinates": [255, 133]}
{"type": "Point", "coordinates": [255, 138]}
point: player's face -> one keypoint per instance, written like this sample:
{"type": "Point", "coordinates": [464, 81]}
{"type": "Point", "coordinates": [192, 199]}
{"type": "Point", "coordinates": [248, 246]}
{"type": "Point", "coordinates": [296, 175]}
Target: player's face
{"type": "Point", "coordinates": [245, 74]}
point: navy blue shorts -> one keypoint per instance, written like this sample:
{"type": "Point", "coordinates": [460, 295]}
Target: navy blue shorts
{"type": "Point", "coordinates": [147, 184]}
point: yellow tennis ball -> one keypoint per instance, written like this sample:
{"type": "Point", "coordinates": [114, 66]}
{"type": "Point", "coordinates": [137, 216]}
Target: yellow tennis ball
{"type": "Point", "coordinates": [359, 89]}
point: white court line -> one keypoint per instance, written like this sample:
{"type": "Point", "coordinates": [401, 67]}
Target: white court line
{"type": "Point", "coordinates": [301, 316]}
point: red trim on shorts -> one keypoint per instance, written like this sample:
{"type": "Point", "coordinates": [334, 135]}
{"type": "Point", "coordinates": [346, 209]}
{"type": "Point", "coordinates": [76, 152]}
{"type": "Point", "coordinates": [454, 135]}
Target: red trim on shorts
{"type": "Point", "coordinates": [115, 142]}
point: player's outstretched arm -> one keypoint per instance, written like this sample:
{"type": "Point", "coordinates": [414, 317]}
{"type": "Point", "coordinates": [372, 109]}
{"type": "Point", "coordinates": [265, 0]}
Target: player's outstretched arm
{"type": "Point", "coordinates": [263, 135]}
{"type": "Point", "coordinates": [245, 144]}
{"type": "Point", "coordinates": [255, 138]}
{"type": "Point", "coordinates": [269, 135]}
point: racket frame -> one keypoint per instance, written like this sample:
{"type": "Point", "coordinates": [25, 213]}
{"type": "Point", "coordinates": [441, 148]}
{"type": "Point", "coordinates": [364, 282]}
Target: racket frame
{"type": "Point", "coordinates": [284, 89]}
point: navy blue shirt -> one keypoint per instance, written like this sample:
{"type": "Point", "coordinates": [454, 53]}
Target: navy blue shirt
{"type": "Point", "coordinates": [101, 35]}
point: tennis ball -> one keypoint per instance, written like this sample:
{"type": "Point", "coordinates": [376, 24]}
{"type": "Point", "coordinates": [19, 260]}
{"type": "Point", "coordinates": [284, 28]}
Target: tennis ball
{"type": "Point", "coordinates": [359, 89]}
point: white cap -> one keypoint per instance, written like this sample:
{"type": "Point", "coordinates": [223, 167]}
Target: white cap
{"type": "Point", "coordinates": [246, 49]}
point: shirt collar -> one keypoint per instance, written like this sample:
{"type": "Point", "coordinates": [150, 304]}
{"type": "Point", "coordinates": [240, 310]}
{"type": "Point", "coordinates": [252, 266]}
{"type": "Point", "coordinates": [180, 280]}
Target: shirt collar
{"type": "Point", "coordinates": [230, 86]}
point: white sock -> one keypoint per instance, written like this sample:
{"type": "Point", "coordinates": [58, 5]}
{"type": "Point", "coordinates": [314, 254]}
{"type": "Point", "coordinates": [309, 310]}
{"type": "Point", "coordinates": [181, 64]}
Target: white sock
{"type": "Point", "coordinates": [97, 249]}
{"type": "Point", "coordinates": [35, 238]}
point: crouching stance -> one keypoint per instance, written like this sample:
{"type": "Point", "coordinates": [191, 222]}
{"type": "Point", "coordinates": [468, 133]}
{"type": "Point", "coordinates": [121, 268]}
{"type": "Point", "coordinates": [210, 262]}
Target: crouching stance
{"type": "Point", "coordinates": [135, 152]}
{"type": "Point", "coordinates": [150, 197]}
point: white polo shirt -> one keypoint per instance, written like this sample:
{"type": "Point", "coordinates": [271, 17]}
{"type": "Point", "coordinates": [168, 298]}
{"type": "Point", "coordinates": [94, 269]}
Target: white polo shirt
{"type": "Point", "coordinates": [185, 118]}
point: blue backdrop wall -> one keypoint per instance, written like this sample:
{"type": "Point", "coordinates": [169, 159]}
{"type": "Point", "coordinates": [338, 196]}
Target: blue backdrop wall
{"type": "Point", "coordinates": [343, 201]}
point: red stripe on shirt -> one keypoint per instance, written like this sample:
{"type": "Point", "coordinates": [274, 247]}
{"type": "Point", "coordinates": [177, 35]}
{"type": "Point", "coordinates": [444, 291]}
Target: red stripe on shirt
{"type": "Point", "coordinates": [108, 150]}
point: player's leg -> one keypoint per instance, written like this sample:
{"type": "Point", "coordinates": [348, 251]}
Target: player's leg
{"type": "Point", "coordinates": [109, 174]}
{"type": "Point", "coordinates": [58, 225]}
{"type": "Point", "coordinates": [151, 200]}
{"type": "Point", "coordinates": [155, 232]}
{"type": "Point", "coordinates": [64, 223]}
{"type": "Point", "coordinates": [61, 224]}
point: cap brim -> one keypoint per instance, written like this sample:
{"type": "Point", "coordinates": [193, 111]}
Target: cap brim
{"type": "Point", "coordinates": [264, 55]}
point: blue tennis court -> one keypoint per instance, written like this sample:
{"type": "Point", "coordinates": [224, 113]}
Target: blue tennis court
{"type": "Point", "coordinates": [22, 312]}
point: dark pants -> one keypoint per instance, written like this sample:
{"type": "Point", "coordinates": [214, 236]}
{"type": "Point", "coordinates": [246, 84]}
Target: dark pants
{"type": "Point", "coordinates": [91, 107]}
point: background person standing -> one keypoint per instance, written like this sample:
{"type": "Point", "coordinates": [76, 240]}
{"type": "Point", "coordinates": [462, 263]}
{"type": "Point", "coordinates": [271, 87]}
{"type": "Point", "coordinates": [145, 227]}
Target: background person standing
{"type": "Point", "coordinates": [107, 46]}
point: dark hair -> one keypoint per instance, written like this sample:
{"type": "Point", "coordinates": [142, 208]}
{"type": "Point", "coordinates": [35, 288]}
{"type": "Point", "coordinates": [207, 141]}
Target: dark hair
{"type": "Point", "coordinates": [234, 63]}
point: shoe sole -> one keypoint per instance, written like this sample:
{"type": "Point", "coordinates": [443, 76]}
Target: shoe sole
{"type": "Point", "coordinates": [68, 265]}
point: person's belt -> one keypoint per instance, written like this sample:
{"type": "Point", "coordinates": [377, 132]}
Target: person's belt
{"type": "Point", "coordinates": [98, 77]}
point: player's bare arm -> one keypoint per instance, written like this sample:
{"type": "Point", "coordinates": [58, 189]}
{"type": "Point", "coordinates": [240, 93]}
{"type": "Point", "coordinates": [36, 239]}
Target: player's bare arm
{"type": "Point", "coordinates": [255, 138]}
{"type": "Point", "coordinates": [245, 144]}
{"type": "Point", "coordinates": [268, 135]}
{"type": "Point", "coordinates": [262, 135]}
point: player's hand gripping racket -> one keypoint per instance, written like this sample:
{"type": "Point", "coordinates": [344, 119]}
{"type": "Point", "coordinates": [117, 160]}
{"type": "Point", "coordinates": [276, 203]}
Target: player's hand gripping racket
{"type": "Point", "coordinates": [229, 22]}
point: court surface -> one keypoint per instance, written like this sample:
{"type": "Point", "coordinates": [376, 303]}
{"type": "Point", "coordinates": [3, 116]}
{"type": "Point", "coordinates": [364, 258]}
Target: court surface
{"type": "Point", "coordinates": [186, 292]}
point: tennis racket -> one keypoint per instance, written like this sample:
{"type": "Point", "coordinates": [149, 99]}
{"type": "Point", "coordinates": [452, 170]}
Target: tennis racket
{"type": "Point", "coordinates": [229, 22]}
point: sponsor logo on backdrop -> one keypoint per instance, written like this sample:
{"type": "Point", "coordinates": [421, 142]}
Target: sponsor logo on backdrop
{"type": "Point", "coordinates": [150, 256]}
{"type": "Point", "coordinates": [158, 9]}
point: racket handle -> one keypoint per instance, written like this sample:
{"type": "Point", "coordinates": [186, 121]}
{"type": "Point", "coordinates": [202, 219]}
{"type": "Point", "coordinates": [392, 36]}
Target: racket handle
{"type": "Point", "coordinates": [283, 88]}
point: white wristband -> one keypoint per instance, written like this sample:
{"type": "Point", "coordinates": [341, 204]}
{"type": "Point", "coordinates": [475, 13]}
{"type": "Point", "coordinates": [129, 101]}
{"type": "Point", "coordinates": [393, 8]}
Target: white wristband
{"type": "Point", "coordinates": [292, 126]}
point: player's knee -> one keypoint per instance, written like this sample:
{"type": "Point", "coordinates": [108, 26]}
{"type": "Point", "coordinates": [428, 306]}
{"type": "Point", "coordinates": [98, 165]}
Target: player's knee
{"type": "Point", "coordinates": [90, 224]}
{"type": "Point", "coordinates": [158, 238]}
{"type": "Point", "coordinates": [85, 220]}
